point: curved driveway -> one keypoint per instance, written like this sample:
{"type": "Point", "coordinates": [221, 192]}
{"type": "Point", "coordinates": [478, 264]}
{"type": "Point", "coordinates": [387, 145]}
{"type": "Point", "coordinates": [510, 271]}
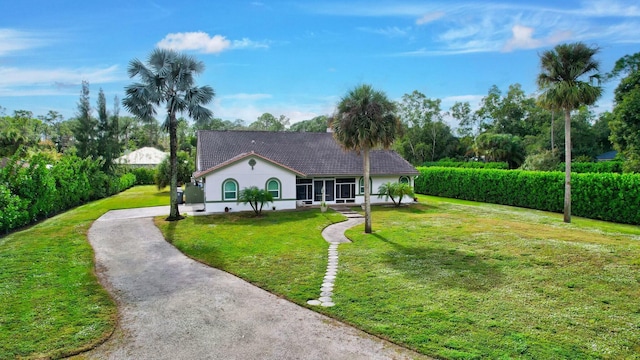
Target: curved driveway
{"type": "Point", "coordinates": [171, 307]}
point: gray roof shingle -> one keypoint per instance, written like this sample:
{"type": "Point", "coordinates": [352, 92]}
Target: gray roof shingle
{"type": "Point", "coordinates": [313, 154]}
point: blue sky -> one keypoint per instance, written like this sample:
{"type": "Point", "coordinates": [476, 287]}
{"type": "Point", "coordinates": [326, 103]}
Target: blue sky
{"type": "Point", "coordinates": [298, 58]}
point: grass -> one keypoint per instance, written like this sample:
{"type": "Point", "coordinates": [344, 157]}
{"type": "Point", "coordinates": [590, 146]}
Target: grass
{"type": "Point", "coordinates": [451, 279]}
{"type": "Point", "coordinates": [282, 252]}
{"type": "Point", "coordinates": [52, 303]}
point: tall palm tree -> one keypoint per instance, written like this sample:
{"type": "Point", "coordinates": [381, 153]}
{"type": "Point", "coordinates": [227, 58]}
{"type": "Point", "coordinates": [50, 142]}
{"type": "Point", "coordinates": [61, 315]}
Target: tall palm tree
{"type": "Point", "coordinates": [560, 79]}
{"type": "Point", "coordinates": [365, 119]}
{"type": "Point", "coordinates": [167, 79]}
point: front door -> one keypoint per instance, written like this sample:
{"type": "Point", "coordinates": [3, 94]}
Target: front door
{"type": "Point", "coordinates": [327, 185]}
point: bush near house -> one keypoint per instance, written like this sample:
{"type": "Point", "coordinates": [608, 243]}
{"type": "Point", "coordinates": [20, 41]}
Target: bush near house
{"type": "Point", "coordinates": [610, 197]}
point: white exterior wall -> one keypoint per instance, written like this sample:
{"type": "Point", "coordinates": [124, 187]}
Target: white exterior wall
{"type": "Point", "coordinates": [376, 181]}
{"type": "Point", "coordinates": [245, 176]}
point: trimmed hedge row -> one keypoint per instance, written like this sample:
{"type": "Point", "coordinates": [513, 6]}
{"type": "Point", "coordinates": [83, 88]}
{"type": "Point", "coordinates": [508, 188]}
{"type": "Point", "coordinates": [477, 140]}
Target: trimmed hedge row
{"type": "Point", "coordinates": [594, 167]}
{"type": "Point", "coordinates": [40, 186]}
{"type": "Point", "coordinates": [610, 197]}
{"type": "Point", "coordinates": [467, 164]}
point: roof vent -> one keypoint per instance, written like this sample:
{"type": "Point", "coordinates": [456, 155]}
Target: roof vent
{"type": "Point", "coordinates": [253, 141]}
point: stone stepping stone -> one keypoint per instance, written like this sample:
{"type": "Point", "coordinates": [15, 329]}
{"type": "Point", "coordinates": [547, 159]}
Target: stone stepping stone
{"type": "Point", "coordinates": [314, 302]}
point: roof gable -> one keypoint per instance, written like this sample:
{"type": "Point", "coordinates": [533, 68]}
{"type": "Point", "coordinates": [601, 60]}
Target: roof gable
{"type": "Point", "coordinates": [239, 158]}
{"type": "Point", "coordinates": [307, 153]}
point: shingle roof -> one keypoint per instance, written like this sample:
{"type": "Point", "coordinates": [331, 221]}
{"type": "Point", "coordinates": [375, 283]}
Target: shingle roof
{"type": "Point", "coordinates": [143, 156]}
{"type": "Point", "coordinates": [309, 153]}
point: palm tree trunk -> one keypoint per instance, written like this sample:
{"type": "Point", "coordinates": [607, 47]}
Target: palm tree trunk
{"type": "Point", "coordinates": [367, 192]}
{"type": "Point", "coordinates": [553, 145]}
{"type": "Point", "coordinates": [567, 165]}
{"type": "Point", "coordinates": [174, 213]}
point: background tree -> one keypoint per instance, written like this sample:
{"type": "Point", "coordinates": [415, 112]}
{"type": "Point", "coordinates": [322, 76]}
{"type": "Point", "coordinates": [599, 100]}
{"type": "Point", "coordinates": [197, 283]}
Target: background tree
{"type": "Point", "coordinates": [625, 121]}
{"type": "Point", "coordinates": [560, 79]}
{"type": "Point", "coordinates": [317, 124]}
{"type": "Point", "coordinates": [168, 79]}
{"type": "Point", "coordinates": [107, 133]}
{"type": "Point", "coordinates": [21, 129]}
{"type": "Point", "coordinates": [85, 131]}
{"type": "Point", "coordinates": [501, 147]}
{"type": "Point", "coordinates": [425, 137]}
{"type": "Point", "coordinates": [365, 119]}
{"type": "Point", "coordinates": [268, 122]}
{"type": "Point", "coordinates": [185, 167]}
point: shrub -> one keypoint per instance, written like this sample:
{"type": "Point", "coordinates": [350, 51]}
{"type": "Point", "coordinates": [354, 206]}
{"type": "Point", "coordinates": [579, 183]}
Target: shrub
{"type": "Point", "coordinates": [41, 185]}
{"type": "Point", "coordinates": [144, 176]}
{"type": "Point", "coordinates": [468, 164]}
{"type": "Point", "coordinates": [255, 197]}
{"type": "Point", "coordinates": [13, 210]}
{"type": "Point", "coordinates": [544, 161]}
{"type": "Point", "coordinates": [185, 166]}
{"type": "Point", "coordinates": [395, 191]}
{"type": "Point", "coordinates": [594, 167]}
{"type": "Point", "coordinates": [610, 197]}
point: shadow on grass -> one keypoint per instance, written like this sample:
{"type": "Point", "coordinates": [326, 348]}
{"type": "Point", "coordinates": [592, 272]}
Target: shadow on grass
{"type": "Point", "coordinates": [449, 268]}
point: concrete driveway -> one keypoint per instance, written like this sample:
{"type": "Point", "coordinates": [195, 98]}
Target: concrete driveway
{"type": "Point", "coordinates": [171, 307]}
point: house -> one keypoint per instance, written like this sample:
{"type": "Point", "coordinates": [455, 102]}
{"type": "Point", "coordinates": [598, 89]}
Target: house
{"type": "Point", "coordinates": [297, 168]}
{"type": "Point", "coordinates": [143, 157]}
{"type": "Point", "coordinates": [608, 156]}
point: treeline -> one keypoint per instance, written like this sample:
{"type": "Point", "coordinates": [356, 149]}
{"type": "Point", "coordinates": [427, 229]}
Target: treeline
{"type": "Point", "coordinates": [37, 186]}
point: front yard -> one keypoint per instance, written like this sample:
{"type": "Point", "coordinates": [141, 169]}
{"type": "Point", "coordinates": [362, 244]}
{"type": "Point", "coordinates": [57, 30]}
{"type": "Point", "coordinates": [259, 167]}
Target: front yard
{"type": "Point", "coordinates": [51, 304]}
{"type": "Point", "coordinates": [448, 278]}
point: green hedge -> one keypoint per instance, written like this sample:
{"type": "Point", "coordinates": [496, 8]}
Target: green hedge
{"type": "Point", "coordinates": [37, 187]}
{"type": "Point", "coordinates": [594, 167]}
{"type": "Point", "coordinates": [610, 197]}
{"type": "Point", "coordinates": [144, 176]}
{"type": "Point", "coordinates": [467, 164]}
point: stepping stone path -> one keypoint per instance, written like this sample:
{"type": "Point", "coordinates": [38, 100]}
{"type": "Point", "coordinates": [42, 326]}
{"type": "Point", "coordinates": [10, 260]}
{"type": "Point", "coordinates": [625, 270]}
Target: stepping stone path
{"type": "Point", "coordinates": [334, 235]}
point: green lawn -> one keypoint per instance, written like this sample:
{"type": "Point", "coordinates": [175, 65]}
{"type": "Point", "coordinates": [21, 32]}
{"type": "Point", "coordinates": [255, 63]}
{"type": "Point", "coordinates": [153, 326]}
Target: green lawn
{"type": "Point", "coordinates": [282, 252]}
{"type": "Point", "coordinates": [51, 302]}
{"type": "Point", "coordinates": [451, 279]}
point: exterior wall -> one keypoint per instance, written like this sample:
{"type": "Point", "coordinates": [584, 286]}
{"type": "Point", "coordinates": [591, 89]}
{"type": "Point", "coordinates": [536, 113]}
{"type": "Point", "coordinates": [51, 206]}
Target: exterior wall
{"type": "Point", "coordinates": [262, 171]}
{"type": "Point", "coordinates": [246, 176]}
{"type": "Point", "coordinates": [376, 181]}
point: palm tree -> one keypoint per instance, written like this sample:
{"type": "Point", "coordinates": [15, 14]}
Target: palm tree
{"type": "Point", "coordinates": [168, 79]}
{"type": "Point", "coordinates": [562, 88]}
{"type": "Point", "coordinates": [365, 119]}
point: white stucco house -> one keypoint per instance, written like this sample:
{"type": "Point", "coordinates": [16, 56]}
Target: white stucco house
{"type": "Point", "coordinates": [294, 166]}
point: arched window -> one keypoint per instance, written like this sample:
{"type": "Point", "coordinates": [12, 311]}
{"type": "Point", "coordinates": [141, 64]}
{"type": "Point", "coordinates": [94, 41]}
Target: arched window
{"type": "Point", "coordinates": [405, 180]}
{"type": "Point", "coordinates": [273, 187]}
{"type": "Point", "coordinates": [361, 183]}
{"type": "Point", "coordinates": [230, 190]}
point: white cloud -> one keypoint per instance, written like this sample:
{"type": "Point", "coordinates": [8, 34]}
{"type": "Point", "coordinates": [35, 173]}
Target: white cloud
{"type": "Point", "coordinates": [607, 8]}
{"type": "Point", "coordinates": [523, 39]}
{"type": "Point", "coordinates": [249, 44]}
{"type": "Point", "coordinates": [389, 31]}
{"type": "Point", "coordinates": [14, 40]}
{"type": "Point", "coordinates": [10, 76]}
{"type": "Point", "coordinates": [199, 41]}
{"type": "Point", "coordinates": [430, 17]}
{"type": "Point", "coordinates": [203, 42]}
